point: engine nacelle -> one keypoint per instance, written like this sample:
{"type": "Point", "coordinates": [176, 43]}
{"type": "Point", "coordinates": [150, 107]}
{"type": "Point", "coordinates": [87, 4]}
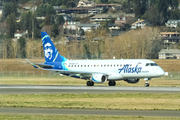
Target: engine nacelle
{"type": "Point", "coordinates": [133, 80]}
{"type": "Point", "coordinates": [99, 78]}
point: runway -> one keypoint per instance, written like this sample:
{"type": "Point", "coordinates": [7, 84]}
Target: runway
{"type": "Point", "coordinates": [51, 111]}
{"type": "Point", "coordinates": [59, 89]}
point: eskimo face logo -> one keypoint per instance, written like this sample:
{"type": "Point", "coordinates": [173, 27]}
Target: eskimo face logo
{"type": "Point", "coordinates": [48, 50]}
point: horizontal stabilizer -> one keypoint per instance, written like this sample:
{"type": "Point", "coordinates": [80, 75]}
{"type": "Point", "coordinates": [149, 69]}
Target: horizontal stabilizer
{"type": "Point", "coordinates": [39, 65]}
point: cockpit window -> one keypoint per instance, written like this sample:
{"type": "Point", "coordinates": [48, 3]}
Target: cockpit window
{"type": "Point", "coordinates": [147, 64]}
{"type": "Point", "coordinates": [151, 64]}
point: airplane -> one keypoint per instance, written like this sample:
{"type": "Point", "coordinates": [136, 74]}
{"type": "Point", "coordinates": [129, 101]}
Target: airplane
{"type": "Point", "coordinates": [97, 71]}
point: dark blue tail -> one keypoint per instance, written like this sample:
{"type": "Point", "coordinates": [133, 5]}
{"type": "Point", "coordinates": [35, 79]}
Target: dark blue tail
{"type": "Point", "coordinates": [50, 52]}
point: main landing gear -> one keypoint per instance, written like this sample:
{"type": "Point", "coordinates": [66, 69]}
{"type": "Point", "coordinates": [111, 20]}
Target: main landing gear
{"type": "Point", "coordinates": [111, 83]}
{"type": "Point", "coordinates": [90, 83]}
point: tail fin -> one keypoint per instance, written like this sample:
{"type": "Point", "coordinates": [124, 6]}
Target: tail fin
{"type": "Point", "coordinates": [50, 52]}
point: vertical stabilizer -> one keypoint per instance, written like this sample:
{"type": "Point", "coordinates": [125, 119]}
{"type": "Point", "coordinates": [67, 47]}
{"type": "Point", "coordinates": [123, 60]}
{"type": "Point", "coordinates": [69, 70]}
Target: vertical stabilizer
{"type": "Point", "coordinates": [50, 52]}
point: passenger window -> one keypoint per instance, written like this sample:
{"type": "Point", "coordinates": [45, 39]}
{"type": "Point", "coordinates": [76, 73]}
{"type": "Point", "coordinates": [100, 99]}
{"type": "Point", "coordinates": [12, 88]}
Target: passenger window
{"type": "Point", "coordinates": [81, 65]}
{"type": "Point", "coordinates": [74, 65]}
{"type": "Point", "coordinates": [68, 65]}
{"type": "Point", "coordinates": [78, 65]}
{"type": "Point", "coordinates": [71, 65]}
{"type": "Point", "coordinates": [114, 65]}
{"type": "Point", "coordinates": [111, 65]}
{"type": "Point", "coordinates": [107, 65]}
{"type": "Point", "coordinates": [117, 65]}
{"type": "Point", "coordinates": [101, 65]}
{"type": "Point", "coordinates": [104, 65]}
{"type": "Point", "coordinates": [88, 65]}
{"type": "Point", "coordinates": [97, 65]}
{"type": "Point", "coordinates": [94, 65]}
{"type": "Point", "coordinates": [91, 65]}
{"type": "Point", "coordinates": [84, 65]}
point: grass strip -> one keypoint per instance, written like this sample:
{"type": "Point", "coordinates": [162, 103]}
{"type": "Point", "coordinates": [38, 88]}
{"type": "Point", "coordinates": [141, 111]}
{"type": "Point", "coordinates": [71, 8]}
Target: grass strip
{"type": "Point", "coordinates": [80, 117]}
{"type": "Point", "coordinates": [63, 80]}
{"type": "Point", "coordinates": [126, 101]}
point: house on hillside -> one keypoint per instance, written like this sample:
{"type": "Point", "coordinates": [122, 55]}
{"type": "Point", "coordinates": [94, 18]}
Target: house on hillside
{"type": "Point", "coordinates": [99, 18]}
{"type": "Point", "coordinates": [113, 26]}
{"type": "Point", "coordinates": [67, 18]}
{"type": "Point", "coordinates": [71, 25]}
{"type": "Point", "coordinates": [172, 23]}
{"type": "Point", "coordinates": [19, 34]}
{"type": "Point", "coordinates": [95, 10]}
{"type": "Point", "coordinates": [170, 37]}
{"type": "Point", "coordinates": [88, 27]}
{"type": "Point", "coordinates": [122, 19]}
{"type": "Point", "coordinates": [169, 54]}
{"type": "Point", "coordinates": [85, 3]}
{"type": "Point", "coordinates": [140, 24]}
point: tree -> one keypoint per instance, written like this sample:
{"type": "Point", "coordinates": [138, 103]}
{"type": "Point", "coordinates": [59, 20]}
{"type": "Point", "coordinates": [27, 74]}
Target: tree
{"type": "Point", "coordinates": [22, 47]}
{"type": "Point", "coordinates": [103, 1]}
{"type": "Point", "coordinates": [11, 22]}
{"type": "Point", "coordinates": [8, 9]}
{"type": "Point", "coordinates": [54, 30]}
{"type": "Point", "coordinates": [50, 10]}
{"type": "Point", "coordinates": [47, 20]}
{"type": "Point", "coordinates": [70, 4]}
{"type": "Point", "coordinates": [60, 20]}
{"type": "Point", "coordinates": [26, 20]}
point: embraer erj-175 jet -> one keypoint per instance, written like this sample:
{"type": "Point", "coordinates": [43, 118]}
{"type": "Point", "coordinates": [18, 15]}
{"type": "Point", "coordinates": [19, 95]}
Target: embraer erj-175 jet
{"type": "Point", "coordinates": [98, 71]}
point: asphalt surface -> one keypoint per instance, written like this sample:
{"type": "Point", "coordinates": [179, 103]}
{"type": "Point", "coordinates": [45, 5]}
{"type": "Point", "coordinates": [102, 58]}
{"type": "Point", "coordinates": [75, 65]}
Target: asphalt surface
{"type": "Point", "coordinates": [59, 89]}
{"type": "Point", "coordinates": [55, 111]}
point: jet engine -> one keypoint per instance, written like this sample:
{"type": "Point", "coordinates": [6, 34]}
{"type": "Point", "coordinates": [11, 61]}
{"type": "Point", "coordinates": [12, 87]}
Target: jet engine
{"type": "Point", "coordinates": [133, 80]}
{"type": "Point", "coordinates": [99, 78]}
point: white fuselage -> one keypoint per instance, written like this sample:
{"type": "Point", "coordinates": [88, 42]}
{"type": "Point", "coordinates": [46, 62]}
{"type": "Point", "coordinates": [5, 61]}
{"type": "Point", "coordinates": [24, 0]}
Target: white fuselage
{"type": "Point", "coordinates": [118, 69]}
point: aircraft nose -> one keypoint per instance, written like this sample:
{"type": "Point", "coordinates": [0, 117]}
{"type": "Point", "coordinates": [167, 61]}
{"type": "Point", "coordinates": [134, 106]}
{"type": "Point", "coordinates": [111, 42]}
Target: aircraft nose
{"type": "Point", "coordinates": [160, 72]}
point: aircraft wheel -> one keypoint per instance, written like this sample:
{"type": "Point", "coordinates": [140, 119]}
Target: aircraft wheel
{"type": "Point", "coordinates": [88, 83]}
{"type": "Point", "coordinates": [114, 83]}
{"type": "Point", "coordinates": [146, 84]}
{"type": "Point", "coordinates": [92, 83]}
{"type": "Point", "coordinates": [111, 83]}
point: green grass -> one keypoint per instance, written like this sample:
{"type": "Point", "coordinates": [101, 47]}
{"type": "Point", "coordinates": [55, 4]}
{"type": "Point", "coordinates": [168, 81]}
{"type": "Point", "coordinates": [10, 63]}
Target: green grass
{"type": "Point", "coordinates": [125, 101]}
{"type": "Point", "coordinates": [64, 80]}
{"type": "Point", "coordinates": [80, 117]}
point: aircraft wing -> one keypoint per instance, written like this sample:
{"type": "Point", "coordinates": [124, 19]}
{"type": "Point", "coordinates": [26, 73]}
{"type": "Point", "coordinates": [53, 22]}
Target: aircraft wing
{"type": "Point", "coordinates": [75, 72]}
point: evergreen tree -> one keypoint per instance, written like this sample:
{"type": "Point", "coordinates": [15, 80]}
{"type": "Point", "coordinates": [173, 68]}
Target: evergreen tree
{"type": "Point", "coordinates": [54, 30]}
{"type": "Point", "coordinates": [60, 20]}
{"type": "Point", "coordinates": [70, 4]}
{"type": "Point", "coordinates": [11, 22]}
{"type": "Point", "coordinates": [22, 49]}
{"type": "Point", "coordinates": [8, 9]}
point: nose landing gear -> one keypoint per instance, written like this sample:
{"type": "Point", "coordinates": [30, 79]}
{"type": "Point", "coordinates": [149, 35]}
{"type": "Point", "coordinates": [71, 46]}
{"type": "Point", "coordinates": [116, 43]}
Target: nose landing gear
{"type": "Point", "coordinates": [147, 82]}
